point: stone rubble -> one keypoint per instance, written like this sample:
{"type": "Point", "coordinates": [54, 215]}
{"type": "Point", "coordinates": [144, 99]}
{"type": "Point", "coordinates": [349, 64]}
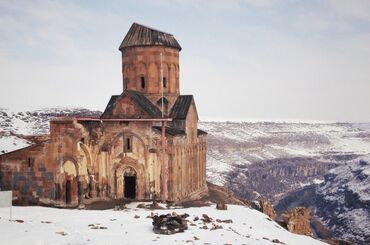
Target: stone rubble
{"type": "Point", "coordinates": [169, 224]}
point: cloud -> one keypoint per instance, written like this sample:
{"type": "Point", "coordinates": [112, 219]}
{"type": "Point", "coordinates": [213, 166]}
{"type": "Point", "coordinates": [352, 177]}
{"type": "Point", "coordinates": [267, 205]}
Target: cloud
{"type": "Point", "coordinates": [241, 58]}
{"type": "Point", "coordinates": [358, 9]}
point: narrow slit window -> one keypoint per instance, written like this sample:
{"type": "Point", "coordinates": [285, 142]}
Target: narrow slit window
{"type": "Point", "coordinates": [164, 82]}
{"type": "Point", "coordinates": [30, 161]}
{"type": "Point", "coordinates": [128, 144]}
{"type": "Point", "coordinates": [142, 80]}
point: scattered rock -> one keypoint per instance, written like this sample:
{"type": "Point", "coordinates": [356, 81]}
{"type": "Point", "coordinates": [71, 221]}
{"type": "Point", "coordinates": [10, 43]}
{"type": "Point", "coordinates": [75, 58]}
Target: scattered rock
{"type": "Point", "coordinates": [169, 224]}
{"type": "Point", "coordinates": [196, 238]}
{"type": "Point", "coordinates": [81, 206]}
{"type": "Point", "coordinates": [19, 221]}
{"type": "Point", "coordinates": [277, 241]}
{"type": "Point", "coordinates": [221, 206]}
{"type": "Point", "coordinates": [216, 227]}
{"type": "Point", "coordinates": [119, 207]}
{"type": "Point", "coordinates": [136, 216]}
{"type": "Point", "coordinates": [97, 227]}
{"type": "Point", "coordinates": [141, 205]}
{"type": "Point", "coordinates": [227, 221]}
{"type": "Point", "coordinates": [206, 218]}
{"type": "Point", "coordinates": [61, 233]}
{"type": "Point", "coordinates": [46, 222]}
{"type": "Point", "coordinates": [196, 218]}
{"type": "Point", "coordinates": [153, 205]}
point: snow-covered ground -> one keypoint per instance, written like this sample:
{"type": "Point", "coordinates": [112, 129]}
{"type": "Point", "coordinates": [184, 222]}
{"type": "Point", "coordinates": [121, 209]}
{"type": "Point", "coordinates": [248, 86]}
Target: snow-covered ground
{"type": "Point", "coordinates": [62, 226]}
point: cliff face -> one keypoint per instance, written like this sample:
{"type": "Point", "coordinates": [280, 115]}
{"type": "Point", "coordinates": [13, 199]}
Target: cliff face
{"type": "Point", "coordinates": [341, 203]}
{"type": "Point", "coordinates": [274, 178]}
{"type": "Point", "coordinates": [343, 200]}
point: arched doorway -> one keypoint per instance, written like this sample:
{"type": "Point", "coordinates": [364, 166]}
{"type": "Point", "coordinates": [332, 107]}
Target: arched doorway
{"type": "Point", "coordinates": [126, 183]}
{"type": "Point", "coordinates": [69, 183]}
{"type": "Point", "coordinates": [129, 183]}
{"type": "Point", "coordinates": [130, 187]}
{"type": "Point", "coordinates": [68, 192]}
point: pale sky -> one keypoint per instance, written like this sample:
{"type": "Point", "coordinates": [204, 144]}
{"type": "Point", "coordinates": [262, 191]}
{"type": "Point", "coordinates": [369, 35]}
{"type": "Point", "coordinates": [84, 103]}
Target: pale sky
{"type": "Point", "coordinates": [242, 59]}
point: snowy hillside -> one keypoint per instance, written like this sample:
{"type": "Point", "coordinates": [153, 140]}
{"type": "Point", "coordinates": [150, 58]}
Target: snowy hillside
{"type": "Point", "coordinates": [132, 226]}
{"type": "Point", "coordinates": [233, 143]}
{"type": "Point", "coordinates": [14, 125]}
{"type": "Point", "coordinates": [345, 196]}
{"type": "Point", "coordinates": [274, 159]}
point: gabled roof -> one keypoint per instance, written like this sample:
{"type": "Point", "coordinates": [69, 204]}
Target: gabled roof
{"type": "Point", "coordinates": [139, 100]}
{"type": "Point", "coordinates": [181, 107]}
{"type": "Point", "coordinates": [146, 105]}
{"type": "Point", "coordinates": [140, 35]}
{"type": "Point", "coordinates": [109, 109]}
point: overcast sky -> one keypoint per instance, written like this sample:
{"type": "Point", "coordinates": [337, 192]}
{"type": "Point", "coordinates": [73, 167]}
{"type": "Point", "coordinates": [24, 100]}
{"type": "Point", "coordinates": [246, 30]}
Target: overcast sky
{"type": "Point", "coordinates": [242, 59]}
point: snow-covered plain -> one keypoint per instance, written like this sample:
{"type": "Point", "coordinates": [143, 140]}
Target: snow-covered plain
{"type": "Point", "coordinates": [62, 226]}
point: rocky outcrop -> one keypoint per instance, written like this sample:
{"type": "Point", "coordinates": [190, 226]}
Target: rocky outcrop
{"type": "Point", "coordinates": [267, 209]}
{"type": "Point", "coordinates": [221, 206]}
{"type": "Point", "coordinates": [297, 221]}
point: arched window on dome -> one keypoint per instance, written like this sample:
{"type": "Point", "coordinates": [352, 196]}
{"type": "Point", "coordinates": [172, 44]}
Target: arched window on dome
{"type": "Point", "coordinates": [142, 82]}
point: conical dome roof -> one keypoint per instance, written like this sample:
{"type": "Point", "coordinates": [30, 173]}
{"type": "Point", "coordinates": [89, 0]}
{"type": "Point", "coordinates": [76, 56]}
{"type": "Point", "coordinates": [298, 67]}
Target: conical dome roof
{"type": "Point", "coordinates": [140, 35]}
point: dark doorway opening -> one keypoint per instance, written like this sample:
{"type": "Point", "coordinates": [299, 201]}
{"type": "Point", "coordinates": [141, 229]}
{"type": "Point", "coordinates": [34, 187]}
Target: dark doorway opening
{"type": "Point", "coordinates": [68, 192]}
{"type": "Point", "coordinates": [130, 187]}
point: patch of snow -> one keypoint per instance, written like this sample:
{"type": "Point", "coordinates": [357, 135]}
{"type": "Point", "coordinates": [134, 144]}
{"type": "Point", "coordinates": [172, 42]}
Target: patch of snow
{"type": "Point", "coordinates": [10, 143]}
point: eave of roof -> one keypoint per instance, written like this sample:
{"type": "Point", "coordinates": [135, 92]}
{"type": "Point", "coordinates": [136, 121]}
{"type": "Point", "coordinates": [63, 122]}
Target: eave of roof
{"type": "Point", "coordinates": [201, 132]}
{"type": "Point", "coordinates": [170, 131]}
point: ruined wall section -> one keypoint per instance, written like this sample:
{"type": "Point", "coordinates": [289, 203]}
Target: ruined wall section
{"type": "Point", "coordinates": [29, 173]}
{"type": "Point", "coordinates": [70, 161]}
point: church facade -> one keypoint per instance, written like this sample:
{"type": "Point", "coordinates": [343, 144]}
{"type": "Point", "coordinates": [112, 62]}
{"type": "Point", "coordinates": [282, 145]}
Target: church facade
{"type": "Point", "coordinates": [146, 145]}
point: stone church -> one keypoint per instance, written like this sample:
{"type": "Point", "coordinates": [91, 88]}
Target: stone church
{"type": "Point", "coordinates": [146, 145]}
